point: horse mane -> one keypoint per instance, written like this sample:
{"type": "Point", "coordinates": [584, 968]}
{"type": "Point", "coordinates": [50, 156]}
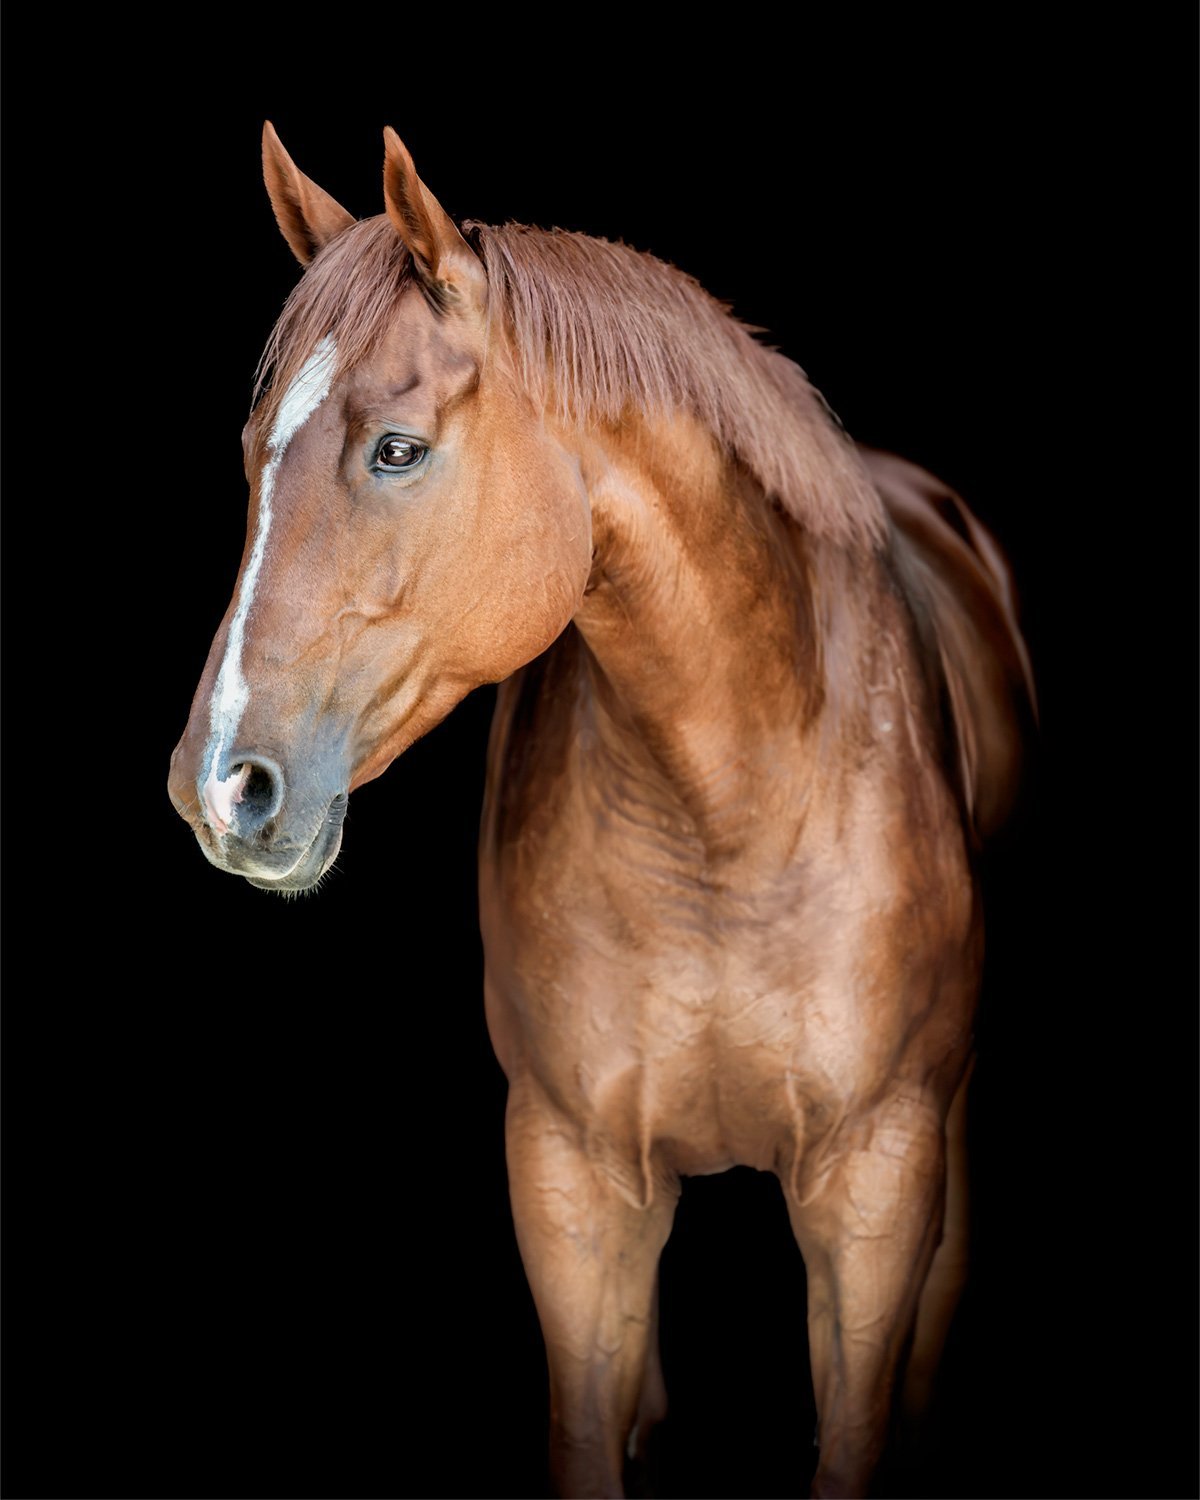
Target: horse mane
{"type": "Point", "coordinates": [598, 329]}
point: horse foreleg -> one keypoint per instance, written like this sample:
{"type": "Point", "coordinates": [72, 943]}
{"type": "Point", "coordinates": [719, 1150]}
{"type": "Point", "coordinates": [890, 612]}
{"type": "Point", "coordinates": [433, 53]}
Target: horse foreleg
{"type": "Point", "coordinates": [867, 1226]}
{"type": "Point", "coordinates": [947, 1272]}
{"type": "Point", "coordinates": [590, 1246]}
{"type": "Point", "coordinates": [652, 1401]}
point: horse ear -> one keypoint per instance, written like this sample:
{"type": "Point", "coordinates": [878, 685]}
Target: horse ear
{"type": "Point", "coordinates": [441, 256]}
{"type": "Point", "coordinates": [307, 215]}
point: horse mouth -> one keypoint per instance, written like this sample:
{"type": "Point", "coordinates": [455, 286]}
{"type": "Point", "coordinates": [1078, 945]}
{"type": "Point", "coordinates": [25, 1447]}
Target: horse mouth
{"type": "Point", "coordinates": [316, 859]}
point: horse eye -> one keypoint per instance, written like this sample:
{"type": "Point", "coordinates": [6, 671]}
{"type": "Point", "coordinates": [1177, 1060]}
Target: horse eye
{"type": "Point", "coordinates": [399, 453]}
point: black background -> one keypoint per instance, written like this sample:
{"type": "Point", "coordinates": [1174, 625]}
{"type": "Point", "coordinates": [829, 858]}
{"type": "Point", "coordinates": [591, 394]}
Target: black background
{"type": "Point", "coordinates": [256, 1225]}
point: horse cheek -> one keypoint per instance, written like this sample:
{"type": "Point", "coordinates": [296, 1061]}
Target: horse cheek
{"type": "Point", "coordinates": [537, 582]}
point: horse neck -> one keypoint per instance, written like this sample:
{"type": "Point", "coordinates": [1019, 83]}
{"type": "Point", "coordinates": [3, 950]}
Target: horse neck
{"type": "Point", "coordinates": [704, 665]}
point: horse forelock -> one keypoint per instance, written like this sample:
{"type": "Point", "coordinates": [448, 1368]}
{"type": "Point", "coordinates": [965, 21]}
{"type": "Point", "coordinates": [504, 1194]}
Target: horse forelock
{"type": "Point", "coordinates": [598, 329]}
{"type": "Point", "coordinates": [349, 293]}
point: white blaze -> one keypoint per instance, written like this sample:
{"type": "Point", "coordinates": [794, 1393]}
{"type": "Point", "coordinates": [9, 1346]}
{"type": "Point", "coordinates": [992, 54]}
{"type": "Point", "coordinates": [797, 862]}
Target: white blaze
{"type": "Point", "coordinates": [232, 693]}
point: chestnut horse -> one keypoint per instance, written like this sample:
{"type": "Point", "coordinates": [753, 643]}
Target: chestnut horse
{"type": "Point", "coordinates": [763, 697]}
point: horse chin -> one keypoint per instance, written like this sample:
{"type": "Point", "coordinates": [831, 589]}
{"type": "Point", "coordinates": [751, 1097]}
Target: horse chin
{"type": "Point", "coordinates": [315, 863]}
{"type": "Point", "coordinates": [307, 875]}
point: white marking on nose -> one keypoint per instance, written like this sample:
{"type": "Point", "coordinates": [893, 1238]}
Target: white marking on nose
{"type": "Point", "coordinates": [222, 790]}
{"type": "Point", "coordinates": [220, 797]}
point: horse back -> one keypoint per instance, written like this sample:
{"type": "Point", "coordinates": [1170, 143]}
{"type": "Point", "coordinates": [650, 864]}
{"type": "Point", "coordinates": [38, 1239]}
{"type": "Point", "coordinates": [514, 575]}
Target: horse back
{"type": "Point", "coordinates": [959, 586]}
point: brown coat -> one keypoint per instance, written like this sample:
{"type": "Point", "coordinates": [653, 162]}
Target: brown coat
{"type": "Point", "coordinates": [763, 695]}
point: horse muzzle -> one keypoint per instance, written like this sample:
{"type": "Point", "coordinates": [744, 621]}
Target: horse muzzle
{"type": "Point", "coordinates": [250, 823]}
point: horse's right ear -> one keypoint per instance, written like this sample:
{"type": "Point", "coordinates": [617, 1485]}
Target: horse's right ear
{"type": "Point", "coordinates": [441, 257]}
{"type": "Point", "coordinates": [307, 215]}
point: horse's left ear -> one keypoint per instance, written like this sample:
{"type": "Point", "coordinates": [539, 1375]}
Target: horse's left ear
{"type": "Point", "coordinates": [442, 258]}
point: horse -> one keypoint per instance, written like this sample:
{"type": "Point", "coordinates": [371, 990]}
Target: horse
{"type": "Point", "coordinates": [763, 700]}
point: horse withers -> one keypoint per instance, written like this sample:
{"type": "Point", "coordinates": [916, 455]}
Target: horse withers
{"type": "Point", "coordinates": [763, 698]}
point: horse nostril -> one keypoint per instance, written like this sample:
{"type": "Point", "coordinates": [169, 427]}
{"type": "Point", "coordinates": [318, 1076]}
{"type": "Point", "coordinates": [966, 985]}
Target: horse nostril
{"type": "Point", "coordinates": [258, 795]}
{"type": "Point", "coordinates": [257, 788]}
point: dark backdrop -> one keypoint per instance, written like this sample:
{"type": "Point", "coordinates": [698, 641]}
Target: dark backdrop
{"type": "Point", "coordinates": [257, 1233]}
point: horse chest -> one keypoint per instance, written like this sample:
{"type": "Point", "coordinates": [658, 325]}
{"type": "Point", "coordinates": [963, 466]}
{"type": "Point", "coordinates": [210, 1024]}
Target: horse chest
{"type": "Point", "coordinates": [696, 1031]}
{"type": "Point", "coordinates": [705, 1014]}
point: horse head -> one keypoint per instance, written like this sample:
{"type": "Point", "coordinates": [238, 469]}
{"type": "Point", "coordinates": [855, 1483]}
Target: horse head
{"type": "Point", "coordinates": [414, 529]}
